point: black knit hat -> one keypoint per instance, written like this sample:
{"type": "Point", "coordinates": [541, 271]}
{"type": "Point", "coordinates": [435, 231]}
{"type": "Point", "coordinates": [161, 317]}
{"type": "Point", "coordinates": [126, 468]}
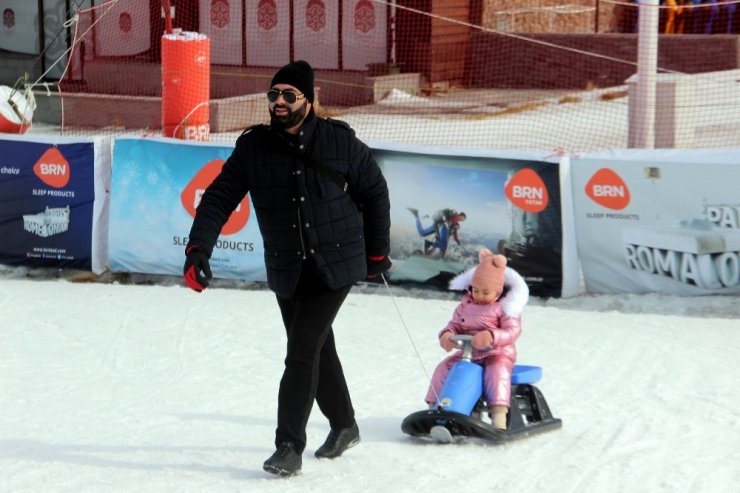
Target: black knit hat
{"type": "Point", "coordinates": [298, 74]}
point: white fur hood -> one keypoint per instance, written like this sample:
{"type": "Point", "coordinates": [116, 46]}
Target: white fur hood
{"type": "Point", "coordinates": [516, 297]}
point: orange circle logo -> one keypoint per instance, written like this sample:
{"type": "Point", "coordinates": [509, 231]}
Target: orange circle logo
{"type": "Point", "coordinates": [607, 189]}
{"type": "Point", "coordinates": [190, 197]}
{"type": "Point", "coordinates": [52, 168]}
{"type": "Point", "coordinates": [527, 191]}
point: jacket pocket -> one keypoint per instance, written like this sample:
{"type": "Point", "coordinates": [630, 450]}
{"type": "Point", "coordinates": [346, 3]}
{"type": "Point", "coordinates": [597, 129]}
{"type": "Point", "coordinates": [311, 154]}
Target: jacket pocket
{"type": "Point", "coordinates": [282, 259]}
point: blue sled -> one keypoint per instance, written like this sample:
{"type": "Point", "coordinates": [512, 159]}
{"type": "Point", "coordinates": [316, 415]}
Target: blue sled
{"type": "Point", "coordinates": [460, 407]}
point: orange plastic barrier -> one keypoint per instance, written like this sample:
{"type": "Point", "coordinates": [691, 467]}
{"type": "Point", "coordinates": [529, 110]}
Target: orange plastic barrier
{"type": "Point", "coordinates": [186, 75]}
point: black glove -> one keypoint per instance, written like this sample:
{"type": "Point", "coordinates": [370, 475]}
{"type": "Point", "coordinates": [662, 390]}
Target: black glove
{"type": "Point", "coordinates": [197, 270]}
{"type": "Point", "coordinates": [378, 265]}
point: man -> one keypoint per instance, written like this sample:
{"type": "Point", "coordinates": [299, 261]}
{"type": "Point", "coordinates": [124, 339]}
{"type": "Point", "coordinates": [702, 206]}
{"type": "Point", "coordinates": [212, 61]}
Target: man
{"type": "Point", "coordinates": [322, 207]}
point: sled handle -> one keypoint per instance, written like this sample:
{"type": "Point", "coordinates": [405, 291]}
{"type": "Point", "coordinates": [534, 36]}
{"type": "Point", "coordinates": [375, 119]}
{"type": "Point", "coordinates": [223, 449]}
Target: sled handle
{"type": "Point", "coordinates": [465, 342]}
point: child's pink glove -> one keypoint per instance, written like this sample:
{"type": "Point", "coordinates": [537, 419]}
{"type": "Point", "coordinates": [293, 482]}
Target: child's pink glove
{"type": "Point", "coordinates": [446, 343]}
{"type": "Point", "coordinates": [482, 340]}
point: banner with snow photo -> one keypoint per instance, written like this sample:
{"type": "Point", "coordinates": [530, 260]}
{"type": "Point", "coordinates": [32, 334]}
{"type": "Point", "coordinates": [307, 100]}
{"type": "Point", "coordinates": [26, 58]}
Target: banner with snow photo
{"type": "Point", "coordinates": [156, 186]}
{"type": "Point", "coordinates": [664, 221]}
{"type": "Point", "coordinates": [446, 207]}
{"type": "Point", "coordinates": [53, 202]}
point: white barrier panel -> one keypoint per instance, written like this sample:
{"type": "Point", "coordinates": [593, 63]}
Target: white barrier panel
{"type": "Point", "coordinates": [511, 201]}
{"type": "Point", "coordinates": [316, 32]}
{"type": "Point", "coordinates": [364, 31]}
{"type": "Point", "coordinates": [54, 202]}
{"type": "Point", "coordinates": [19, 31]}
{"type": "Point", "coordinates": [156, 186]}
{"type": "Point", "coordinates": [268, 33]}
{"type": "Point", "coordinates": [658, 221]}
{"type": "Point", "coordinates": [122, 28]}
{"type": "Point", "coordinates": [221, 21]}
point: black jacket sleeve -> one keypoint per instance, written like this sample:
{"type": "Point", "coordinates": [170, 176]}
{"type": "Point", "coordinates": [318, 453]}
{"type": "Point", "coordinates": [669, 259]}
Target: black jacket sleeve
{"type": "Point", "coordinates": [369, 191]}
{"type": "Point", "coordinates": [218, 202]}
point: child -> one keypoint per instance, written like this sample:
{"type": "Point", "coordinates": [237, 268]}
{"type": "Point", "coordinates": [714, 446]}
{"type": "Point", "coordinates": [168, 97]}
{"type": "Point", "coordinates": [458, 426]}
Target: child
{"type": "Point", "coordinates": [495, 325]}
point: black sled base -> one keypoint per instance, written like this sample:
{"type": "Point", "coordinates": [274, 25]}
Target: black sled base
{"type": "Point", "coordinates": [528, 414]}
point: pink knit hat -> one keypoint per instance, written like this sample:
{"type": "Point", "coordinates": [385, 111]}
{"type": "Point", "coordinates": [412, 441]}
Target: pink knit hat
{"type": "Point", "coordinates": [490, 272]}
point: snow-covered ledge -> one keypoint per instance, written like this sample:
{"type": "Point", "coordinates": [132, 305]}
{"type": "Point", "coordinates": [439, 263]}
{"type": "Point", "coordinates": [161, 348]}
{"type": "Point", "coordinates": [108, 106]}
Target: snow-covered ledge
{"type": "Point", "coordinates": [378, 87]}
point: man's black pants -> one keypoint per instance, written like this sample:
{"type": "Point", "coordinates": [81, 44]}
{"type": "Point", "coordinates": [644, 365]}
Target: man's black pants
{"type": "Point", "coordinates": [312, 366]}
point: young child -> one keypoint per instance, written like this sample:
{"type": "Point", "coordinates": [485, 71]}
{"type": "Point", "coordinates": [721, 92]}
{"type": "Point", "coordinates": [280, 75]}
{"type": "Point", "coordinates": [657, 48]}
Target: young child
{"type": "Point", "coordinates": [495, 324]}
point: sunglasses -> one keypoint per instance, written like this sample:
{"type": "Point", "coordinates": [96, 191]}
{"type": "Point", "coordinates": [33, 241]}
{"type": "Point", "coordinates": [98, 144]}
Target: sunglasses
{"type": "Point", "coordinates": [290, 97]}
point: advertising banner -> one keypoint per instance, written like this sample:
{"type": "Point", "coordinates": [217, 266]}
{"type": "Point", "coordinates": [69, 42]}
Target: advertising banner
{"type": "Point", "coordinates": [19, 31]}
{"type": "Point", "coordinates": [364, 33]}
{"type": "Point", "coordinates": [447, 206]}
{"type": "Point", "coordinates": [316, 32]}
{"type": "Point", "coordinates": [156, 186]}
{"type": "Point", "coordinates": [268, 32]}
{"type": "Point", "coordinates": [653, 221]}
{"type": "Point", "coordinates": [221, 21]}
{"type": "Point", "coordinates": [53, 202]}
{"type": "Point", "coordinates": [122, 28]}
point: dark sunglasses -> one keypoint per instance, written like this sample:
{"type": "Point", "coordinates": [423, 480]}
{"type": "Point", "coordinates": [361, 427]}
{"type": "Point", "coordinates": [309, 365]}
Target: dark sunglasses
{"type": "Point", "coordinates": [290, 97]}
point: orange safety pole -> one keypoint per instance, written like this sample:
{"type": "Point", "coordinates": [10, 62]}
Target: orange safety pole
{"type": "Point", "coordinates": [186, 74]}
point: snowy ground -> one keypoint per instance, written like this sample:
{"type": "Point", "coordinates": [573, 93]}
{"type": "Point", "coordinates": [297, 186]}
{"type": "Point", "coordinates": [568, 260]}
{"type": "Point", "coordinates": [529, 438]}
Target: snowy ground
{"type": "Point", "coordinates": [120, 388]}
{"type": "Point", "coordinates": [153, 388]}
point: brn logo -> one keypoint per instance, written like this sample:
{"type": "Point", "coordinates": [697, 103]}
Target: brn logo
{"type": "Point", "coordinates": [527, 191]}
{"type": "Point", "coordinates": [52, 168]}
{"type": "Point", "coordinates": [190, 197]}
{"type": "Point", "coordinates": [607, 189]}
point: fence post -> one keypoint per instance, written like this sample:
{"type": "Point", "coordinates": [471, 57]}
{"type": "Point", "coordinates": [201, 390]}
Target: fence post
{"type": "Point", "coordinates": [642, 106]}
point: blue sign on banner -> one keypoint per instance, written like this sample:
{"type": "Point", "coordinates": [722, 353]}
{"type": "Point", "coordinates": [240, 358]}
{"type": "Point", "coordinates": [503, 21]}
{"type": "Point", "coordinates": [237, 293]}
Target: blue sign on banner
{"type": "Point", "coordinates": [47, 194]}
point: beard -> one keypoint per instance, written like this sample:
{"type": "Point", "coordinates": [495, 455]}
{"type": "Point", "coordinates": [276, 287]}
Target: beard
{"type": "Point", "coordinates": [291, 119]}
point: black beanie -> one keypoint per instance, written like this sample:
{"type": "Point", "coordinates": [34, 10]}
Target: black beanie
{"type": "Point", "coordinates": [298, 74]}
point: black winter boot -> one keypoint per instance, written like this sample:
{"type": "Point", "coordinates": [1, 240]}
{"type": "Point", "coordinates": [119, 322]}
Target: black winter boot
{"type": "Point", "coordinates": [339, 441]}
{"type": "Point", "coordinates": [285, 461]}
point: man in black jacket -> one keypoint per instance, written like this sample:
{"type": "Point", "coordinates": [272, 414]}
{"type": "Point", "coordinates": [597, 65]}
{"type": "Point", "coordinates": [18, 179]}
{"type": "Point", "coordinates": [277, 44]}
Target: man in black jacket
{"type": "Point", "coordinates": [323, 211]}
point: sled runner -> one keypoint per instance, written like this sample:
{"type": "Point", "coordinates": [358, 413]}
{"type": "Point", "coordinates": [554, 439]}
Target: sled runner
{"type": "Point", "coordinates": [461, 410]}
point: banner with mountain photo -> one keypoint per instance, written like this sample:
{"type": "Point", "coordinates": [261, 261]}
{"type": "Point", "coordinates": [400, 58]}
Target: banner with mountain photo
{"type": "Point", "coordinates": [449, 204]}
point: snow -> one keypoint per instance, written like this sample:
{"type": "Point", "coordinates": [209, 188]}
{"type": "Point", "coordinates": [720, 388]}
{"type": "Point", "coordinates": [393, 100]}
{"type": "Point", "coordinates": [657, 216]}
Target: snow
{"type": "Point", "coordinates": [139, 384]}
{"type": "Point", "coordinates": [147, 386]}
{"type": "Point", "coordinates": [180, 35]}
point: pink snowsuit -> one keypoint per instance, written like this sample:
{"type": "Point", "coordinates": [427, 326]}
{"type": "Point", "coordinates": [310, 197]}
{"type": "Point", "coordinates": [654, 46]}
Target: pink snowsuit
{"type": "Point", "coordinates": [470, 318]}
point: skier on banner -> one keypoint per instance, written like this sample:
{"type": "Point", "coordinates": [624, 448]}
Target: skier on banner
{"type": "Point", "coordinates": [446, 224]}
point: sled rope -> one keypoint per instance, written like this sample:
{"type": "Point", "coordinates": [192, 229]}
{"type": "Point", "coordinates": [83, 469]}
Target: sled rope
{"type": "Point", "coordinates": [408, 334]}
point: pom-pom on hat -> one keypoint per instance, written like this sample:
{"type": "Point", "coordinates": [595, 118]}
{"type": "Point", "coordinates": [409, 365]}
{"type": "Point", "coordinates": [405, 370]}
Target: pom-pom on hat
{"type": "Point", "coordinates": [490, 271]}
{"type": "Point", "coordinates": [298, 74]}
